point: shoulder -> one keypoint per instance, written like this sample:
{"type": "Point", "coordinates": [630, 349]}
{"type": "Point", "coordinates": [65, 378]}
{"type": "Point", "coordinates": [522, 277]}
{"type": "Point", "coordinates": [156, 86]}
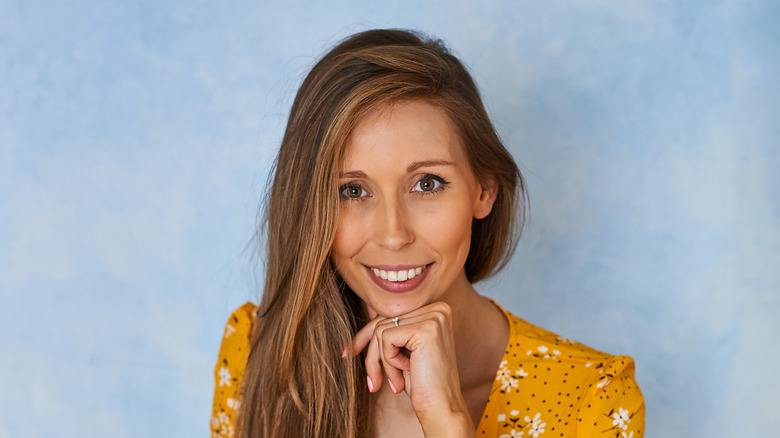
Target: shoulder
{"type": "Point", "coordinates": [549, 381]}
{"type": "Point", "coordinates": [535, 342]}
{"type": "Point", "coordinates": [233, 354]}
{"type": "Point", "coordinates": [235, 344]}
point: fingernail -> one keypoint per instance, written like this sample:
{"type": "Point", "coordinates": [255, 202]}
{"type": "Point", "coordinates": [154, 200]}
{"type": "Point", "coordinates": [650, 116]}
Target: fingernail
{"type": "Point", "coordinates": [344, 353]}
{"type": "Point", "coordinates": [395, 391]}
{"type": "Point", "coordinates": [370, 385]}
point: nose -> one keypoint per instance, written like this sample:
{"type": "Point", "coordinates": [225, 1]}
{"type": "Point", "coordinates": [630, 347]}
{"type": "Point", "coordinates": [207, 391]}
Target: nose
{"type": "Point", "coordinates": [393, 228]}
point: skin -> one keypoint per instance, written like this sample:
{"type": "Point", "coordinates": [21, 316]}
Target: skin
{"type": "Point", "coordinates": [409, 197]}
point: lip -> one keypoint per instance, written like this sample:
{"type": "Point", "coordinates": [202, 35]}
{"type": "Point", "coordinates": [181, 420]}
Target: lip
{"type": "Point", "coordinates": [398, 286]}
{"type": "Point", "coordinates": [397, 267]}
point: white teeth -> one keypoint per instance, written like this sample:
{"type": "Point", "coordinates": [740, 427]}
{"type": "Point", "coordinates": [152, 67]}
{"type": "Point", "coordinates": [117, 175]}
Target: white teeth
{"type": "Point", "coordinates": [397, 275]}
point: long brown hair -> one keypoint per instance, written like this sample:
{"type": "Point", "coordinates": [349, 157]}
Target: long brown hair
{"type": "Point", "coordinates": [296, 383]}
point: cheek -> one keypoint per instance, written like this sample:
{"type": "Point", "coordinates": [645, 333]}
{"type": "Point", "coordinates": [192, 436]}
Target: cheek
{"type": "Point", "coordinates": [348, 239]}
{"type": "Point", "coordinates": [451, 233]}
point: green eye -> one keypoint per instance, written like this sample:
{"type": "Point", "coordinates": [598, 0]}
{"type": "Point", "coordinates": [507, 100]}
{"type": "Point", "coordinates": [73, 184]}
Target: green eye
{"type": "Point", "coordinates": [352, 192]}
{"type": "Point", "coordinates": [427, 184]}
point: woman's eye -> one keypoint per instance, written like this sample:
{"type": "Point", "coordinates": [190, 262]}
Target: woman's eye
{"type": "Point", "coordinates": [352, 192]}
{"type": "Point", "coordinates": [429, 183]}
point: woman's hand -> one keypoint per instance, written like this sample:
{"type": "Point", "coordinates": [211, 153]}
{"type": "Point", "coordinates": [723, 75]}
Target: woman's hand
{"type": "Point", "coordinates": [418, 356]}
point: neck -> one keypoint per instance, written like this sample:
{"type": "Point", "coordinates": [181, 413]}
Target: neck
{"type": "Point", "coordinates": [480, 330]}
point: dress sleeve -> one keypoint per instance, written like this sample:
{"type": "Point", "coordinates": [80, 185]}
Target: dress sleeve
{"type": "Point", "coordinates": [230, 369]}
{"type": "Point", "coordinates": [614, 406]}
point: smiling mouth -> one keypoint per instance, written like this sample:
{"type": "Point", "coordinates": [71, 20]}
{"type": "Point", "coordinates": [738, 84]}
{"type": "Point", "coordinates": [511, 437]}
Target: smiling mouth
{"type": "Point", "coordinates": [401, 275]}
{"type": "Point", "coordinates": [398, 280]}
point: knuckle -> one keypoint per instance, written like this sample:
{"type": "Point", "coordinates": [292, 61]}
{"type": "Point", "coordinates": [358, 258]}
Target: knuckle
{"type": "Point", "coordinates": [379, 329]}
{"type": "Point", "coordinates": [443, 308]}
{"type": "Point", "coordinates": [431, 327]}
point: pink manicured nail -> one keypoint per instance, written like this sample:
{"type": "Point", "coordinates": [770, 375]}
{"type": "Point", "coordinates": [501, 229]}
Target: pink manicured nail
{"type": "Point", "coordinates": [344, 353]}
{"type": "Point", "coordinates": [370, 385]}
{"type": "Point", "coordinates": [395, 391]}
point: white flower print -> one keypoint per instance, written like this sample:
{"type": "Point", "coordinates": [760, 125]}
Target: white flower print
{"type": "Point", "coordinates": [224, 376]}
{"type": "Point", "coordinates": [621, 418]}
{"type": "Point", "coordinates": [536, 425]}
{"type": "Point", "coordinates": [508, 384]}
{"type": "Point", "coordinates": [505, 376]}
{"type": "Point", "coordinates": [222, 427]}
{"type": "Point", "coordinates": [229, 330]}
{"type": "Point", "coordinates": [603, 383]}
{"type": "Point", "coordinates": [223, 418]}
{"type": "Point", "coordinates": [521, 373]}
{"type": "Point", "coordinates": [511, 421]}
{"type": "Point", "coordinates": [630, 435]}
{"type": "Point", "coordinates": [227, 431]}
{"type": "Point", "coordinates": [233, 403]}
{"type": "Point", "coordinates": [544, 352]}
{"type": "Point", "coordinates": [503, 372]}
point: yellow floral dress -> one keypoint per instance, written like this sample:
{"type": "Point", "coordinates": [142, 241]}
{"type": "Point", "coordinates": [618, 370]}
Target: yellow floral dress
{"type": "Point", "coordinates": [546, 386]}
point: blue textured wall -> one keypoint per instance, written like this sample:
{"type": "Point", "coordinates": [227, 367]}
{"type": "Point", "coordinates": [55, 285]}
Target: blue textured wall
{"type": "Point", "coordinates": [135, 139]}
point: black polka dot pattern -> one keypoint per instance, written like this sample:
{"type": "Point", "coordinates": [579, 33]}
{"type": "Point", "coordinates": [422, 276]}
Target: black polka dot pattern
{"type": "Point", "coordinates": [546, 386]}
{"type": "Point", "coordinates": [550, 386]}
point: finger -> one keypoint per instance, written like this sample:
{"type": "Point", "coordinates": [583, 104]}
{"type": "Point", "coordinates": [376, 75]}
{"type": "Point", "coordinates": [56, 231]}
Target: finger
{"type": "Point", "coordinates": [394, 374]}
{"type": "Point", "coordinates": [435, 307]}
{"type": "Point", "coordinates": [394, 343]}
{"type": "Point", "coordinates": [371, 312]}
{"type": "Point", "coordinates": [398, 342]}
{"type": "Point", "coordinates": [361, 338]}
{"type": "Point", "coordinates": [374, 366]}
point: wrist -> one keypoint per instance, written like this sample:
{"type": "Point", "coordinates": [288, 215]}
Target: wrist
{"type": "Point", "coordinates": [453, 424]}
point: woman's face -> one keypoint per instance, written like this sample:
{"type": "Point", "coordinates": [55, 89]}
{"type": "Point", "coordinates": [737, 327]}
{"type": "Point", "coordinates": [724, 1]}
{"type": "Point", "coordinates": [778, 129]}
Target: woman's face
{"type": "Point", "coordinates": [408, 197]}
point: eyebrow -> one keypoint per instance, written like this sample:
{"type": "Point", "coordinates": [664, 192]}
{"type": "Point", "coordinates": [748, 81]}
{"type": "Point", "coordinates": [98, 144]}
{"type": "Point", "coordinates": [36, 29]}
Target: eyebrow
{"type": "Point", "coordinates": [412, 167]}
{"type": "Point", "coordinates": [353, 174]}
{"type": "Point", "coordinates": [433, 163]}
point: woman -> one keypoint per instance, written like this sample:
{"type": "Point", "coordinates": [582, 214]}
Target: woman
{"type": "Point", "coordinates": [392, 195]}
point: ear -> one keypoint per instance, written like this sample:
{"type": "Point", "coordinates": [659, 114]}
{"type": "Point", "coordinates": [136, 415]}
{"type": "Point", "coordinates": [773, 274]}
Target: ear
{"type": "Point", "coordinates": [483, 204]}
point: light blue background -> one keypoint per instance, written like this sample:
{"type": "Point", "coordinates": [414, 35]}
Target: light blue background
{"type": "Point", "coordinates": [136, 137]}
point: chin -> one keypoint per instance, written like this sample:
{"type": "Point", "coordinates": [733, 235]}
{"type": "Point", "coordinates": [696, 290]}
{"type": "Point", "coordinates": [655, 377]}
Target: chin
{"type": "Point", "coordinates": [399, 306]}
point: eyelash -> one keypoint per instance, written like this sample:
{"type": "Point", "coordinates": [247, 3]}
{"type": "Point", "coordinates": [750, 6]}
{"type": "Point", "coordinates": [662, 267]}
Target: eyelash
{"type": "Point", "coordinates": [442, 184]}
{"type": "Point", "coordinates": [343, 189]}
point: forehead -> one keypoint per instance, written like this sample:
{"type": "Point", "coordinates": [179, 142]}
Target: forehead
{"type": "Point", "coordinates": [405, 131]}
